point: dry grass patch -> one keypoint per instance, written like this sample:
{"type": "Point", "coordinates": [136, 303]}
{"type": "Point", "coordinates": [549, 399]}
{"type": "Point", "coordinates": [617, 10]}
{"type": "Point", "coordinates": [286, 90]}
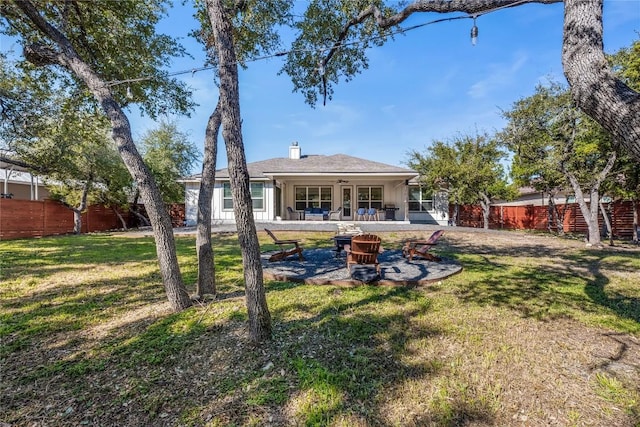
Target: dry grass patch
{"type": "Point", "coordinates": [535, 331]}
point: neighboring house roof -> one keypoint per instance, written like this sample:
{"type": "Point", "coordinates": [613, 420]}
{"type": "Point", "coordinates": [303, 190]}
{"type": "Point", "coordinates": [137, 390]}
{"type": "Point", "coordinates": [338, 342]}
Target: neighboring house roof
{"type": "Point", "coordinates": [11, 164]}
{"type": "Point", "coordinates": [16, 177]}
{"type": "Point", "coordinates": [15, 171]}
{"type": "Point", "coordinates": [316, 165]}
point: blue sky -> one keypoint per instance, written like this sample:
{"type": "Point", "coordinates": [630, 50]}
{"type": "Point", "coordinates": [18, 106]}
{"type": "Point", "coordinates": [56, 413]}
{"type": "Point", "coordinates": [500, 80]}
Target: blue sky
{"type": "Point", "coordinates": [428, 84]}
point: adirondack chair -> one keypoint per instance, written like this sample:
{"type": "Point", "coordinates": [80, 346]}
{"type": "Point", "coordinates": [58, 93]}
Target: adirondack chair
{"type": "Point", "coordinates": [364, 249]}
{"type": "Point", "coordinates": [420, 248]}
{"type": "Point", "coordinates": [287, 248]}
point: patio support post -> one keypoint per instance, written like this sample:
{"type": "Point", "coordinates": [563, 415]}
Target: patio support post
{"type": "Point", "coordinates": [275, 200]}
{"type": "Point", "coordinates": [283, 197]}
{"type": "Point", "coordinates": [405, 196]}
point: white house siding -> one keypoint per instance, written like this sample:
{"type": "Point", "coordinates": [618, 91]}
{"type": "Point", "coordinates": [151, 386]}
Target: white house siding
{"type": "Point", "coordinates": [394, 193]}
{"type": "Point", "coordinates": [439, 215]}
{"type": "Point", "coordinates": [220, 215]}
{"type": "Point", "coordinates": [191, 203]}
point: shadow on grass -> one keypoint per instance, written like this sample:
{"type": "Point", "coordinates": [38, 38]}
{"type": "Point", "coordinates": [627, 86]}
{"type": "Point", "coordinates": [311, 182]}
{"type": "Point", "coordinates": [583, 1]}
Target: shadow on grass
{"type": "Point", "coordinates": [623, 305]}
{"type": "Point", "coordinates": [569, 282]}
{"type": "Point", "coordinates": [333, 360]}
{"type": "Point", "coordinates": [336, 354]}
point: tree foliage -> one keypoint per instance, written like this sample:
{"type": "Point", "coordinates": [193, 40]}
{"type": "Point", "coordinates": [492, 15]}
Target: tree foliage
{"type": "Point", "coordinates": [334, 34]}
{"type": "Point", "coordinates": [255, 27]}
{"type": "Point", "coordinates": [626, 184]}
{"type": "Point", "coordinates": [315, 62]}
{"type": "Point", "coordinates": [626, 63]}
{"type": "Point", "coordinates": [92, 47]}
{"type": "Point", "coordinates": [468, 167]}
{"type": "Point", "coordinates": [117, 40]}
{"type": "Point", "coordinates": [170, 155]}
{"type": "Point", "coordinates": [556, 146]}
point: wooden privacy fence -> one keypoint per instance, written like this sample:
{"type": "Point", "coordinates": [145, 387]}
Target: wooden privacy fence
{"type": "Point", "coordinates": [536, 218]}
{"type": "Point", "coordinates": [27, 218]}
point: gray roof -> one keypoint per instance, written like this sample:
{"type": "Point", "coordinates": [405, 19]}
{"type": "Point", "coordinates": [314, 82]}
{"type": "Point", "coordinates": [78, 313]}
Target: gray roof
{"type": "Point", "coordinates": [337, 164]}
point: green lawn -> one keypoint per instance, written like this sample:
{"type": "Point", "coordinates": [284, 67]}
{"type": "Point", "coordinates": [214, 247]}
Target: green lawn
{"type": "Point", "coordinates": [535, 331]}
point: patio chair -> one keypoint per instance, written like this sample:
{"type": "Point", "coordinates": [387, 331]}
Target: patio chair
{"type": "Point", "coordinates": [361, 214]}
{"type": "Point", "coordinates": [293, 214]}
{"type": "Point", "coordinates": [335, 215]}
{"type": "Point", "coordinates": [287, 248]}
{"type": "Point", "coordinates": [420, 248]}
{"type": "Point", "coordinates": [372, 214]}
{"type": "Point", "coordinates": [363, 250]}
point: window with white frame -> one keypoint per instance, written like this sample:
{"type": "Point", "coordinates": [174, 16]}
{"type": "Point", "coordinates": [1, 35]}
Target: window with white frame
{"type": "Point", "coordinates": [420, 199]}
{"type": "Point", "coordinates": [370, 197]}
{"type": "Point", "coordinates": [257, 196]}
{"type": "Point", "coordinates": [313, 197]}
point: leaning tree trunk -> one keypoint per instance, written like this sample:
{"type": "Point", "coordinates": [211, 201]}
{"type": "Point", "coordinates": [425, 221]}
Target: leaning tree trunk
{"type": "Point", "coordinates": [77, 211]}
{"type": "Point", "coordinates": [607, 222]}
{"type": "Point", "coordinates": [259, 317]}
{"type": "Point", "coordinates": [159, 217]}
{"type": "Point", "coordinates": [594, 87]}
{"type": "Point", "coordinates": [120, 218]}
{"type": "Point", "coordinates": [206, 265]}
{"type": "Point", "coordinates": [158, 214]}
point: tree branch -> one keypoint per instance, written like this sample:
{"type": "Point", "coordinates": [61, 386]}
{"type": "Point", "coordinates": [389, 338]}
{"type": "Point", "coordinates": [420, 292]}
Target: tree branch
{"type": "Point", "coordinates": [474, 7]}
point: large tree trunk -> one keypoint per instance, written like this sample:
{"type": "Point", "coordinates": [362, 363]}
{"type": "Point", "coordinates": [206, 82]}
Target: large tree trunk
{"type": "Point", "coordinates": [206, 265]}
{"type": "Point", "coordinates": [594, 87]}
{"type": "Point", "coordinates": [158, 214]}
{"type": "Point", "coordinates": [259, 317]}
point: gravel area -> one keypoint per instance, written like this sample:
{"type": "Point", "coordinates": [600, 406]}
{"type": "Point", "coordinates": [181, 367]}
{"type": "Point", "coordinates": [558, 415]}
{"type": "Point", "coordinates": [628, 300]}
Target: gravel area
{"type": "Point", "coordinates": [321, 266]}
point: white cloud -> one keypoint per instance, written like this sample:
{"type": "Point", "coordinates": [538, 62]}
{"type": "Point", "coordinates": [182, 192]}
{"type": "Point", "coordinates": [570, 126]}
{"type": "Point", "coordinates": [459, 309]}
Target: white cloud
{"type": "Point", "coordinates": [499, 75]}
